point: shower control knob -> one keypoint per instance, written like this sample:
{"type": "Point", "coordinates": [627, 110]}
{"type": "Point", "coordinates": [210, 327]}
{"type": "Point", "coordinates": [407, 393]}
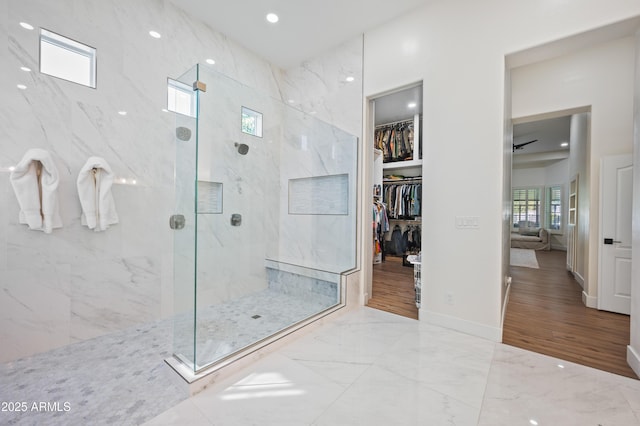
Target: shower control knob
{"type": "Point", "coordinates": [236, 219]}
{"type": "Point", "coordinates": [177, 221]}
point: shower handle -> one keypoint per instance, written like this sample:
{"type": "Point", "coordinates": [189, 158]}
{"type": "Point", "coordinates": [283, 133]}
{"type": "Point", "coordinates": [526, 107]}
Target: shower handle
{"type": "Point", "coordinates": [177, 221]}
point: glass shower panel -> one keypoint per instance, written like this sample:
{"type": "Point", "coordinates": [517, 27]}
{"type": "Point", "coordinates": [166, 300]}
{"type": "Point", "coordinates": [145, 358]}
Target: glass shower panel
{"type": "Point", "coordinates": [183, 223]}
{"type": "Point", "coordinates": [268, 194]}
{"type": "Point", "coordinates": [233, 232]}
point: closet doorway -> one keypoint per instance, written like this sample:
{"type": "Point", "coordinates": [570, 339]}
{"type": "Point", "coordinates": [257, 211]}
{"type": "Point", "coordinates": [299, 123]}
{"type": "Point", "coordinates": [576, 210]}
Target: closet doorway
{"type": "Point", "coordinates": [396, 129]}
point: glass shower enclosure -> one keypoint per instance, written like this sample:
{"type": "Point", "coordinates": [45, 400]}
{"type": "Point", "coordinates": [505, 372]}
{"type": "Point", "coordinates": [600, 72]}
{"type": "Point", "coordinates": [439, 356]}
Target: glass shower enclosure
{"type": "Point", "coordinates": [265, 217]}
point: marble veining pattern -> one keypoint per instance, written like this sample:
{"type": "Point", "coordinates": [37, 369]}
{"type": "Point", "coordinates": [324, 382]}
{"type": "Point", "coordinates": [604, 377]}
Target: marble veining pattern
{"type": "Point", "coordinates": [369, 367]}
{"type": "Point", "coordinates": [81, 275]}
{"type": "Point", "coordinates": [121, 378]}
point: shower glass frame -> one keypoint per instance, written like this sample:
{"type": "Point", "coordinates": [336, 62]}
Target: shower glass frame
{"type": "Point", "coordinates": [254, 267]}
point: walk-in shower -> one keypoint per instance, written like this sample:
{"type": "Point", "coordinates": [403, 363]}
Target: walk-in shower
{"type": "Point", "coordinates": [264, 222]}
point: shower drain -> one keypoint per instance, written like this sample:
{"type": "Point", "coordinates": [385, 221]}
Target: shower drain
{"type": "Point", "coordinates": [256, 316]}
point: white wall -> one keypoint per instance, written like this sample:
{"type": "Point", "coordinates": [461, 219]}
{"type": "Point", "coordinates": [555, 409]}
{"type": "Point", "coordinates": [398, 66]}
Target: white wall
{"type": "Point", "coordinates": [457, 48]}
{"type": "Point", "coordinates": [75, 284]}
{"type": "Point", "coordinates": [578, 168]}
{"type": "Point", "coordinates": [600, 77]}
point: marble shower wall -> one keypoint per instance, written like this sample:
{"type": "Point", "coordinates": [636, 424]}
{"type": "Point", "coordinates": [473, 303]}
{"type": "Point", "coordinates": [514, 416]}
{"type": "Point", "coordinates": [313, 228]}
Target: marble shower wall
{"type": "Point", "coordinates": [75, 284]}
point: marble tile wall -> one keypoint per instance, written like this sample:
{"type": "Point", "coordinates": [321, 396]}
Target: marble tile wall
{"type": "Point", "coordinates": [75, 284]}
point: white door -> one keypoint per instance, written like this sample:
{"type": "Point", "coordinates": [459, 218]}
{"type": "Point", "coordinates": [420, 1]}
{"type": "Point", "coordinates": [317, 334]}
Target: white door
{"type": "Point", "coordinates": [616, 198]}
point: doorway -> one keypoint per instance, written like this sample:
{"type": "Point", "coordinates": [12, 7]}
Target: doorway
{"type": "Point", "coordinates": [395, 138]}
{"type": "Point", "coordinates": [546, 310]}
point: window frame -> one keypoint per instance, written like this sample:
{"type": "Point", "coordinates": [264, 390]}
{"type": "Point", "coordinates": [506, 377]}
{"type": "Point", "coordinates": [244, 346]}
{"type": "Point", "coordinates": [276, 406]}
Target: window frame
{"type": "Point", "coordinates": [81, 49]}
{"type": "Point", "coordinates": [549, 204]}
{"type": "Point", "coordinates": [181, 87]}
{"type": "Point", "coordinates": [540, 209]}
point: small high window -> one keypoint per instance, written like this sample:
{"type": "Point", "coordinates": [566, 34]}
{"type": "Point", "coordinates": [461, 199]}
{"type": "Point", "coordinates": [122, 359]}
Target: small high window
{"type": "Point", "coordinates": [251, 122]}
{"type": "Point", "coordinates": [181, 98]}
{"type": "Point", "coordinates": [67, 59]}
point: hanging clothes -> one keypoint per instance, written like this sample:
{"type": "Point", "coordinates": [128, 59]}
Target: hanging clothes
{"type": "Point", "coordinates": [380, 226]}
{"type": "Point", "coordinates": [404, 199]}
{"type": "Point", "coordinates": [395, 141]}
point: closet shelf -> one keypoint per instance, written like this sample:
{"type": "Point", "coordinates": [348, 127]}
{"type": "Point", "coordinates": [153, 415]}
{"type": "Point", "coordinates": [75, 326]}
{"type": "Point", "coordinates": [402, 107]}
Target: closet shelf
{"type": "Point", "coordinates": [402, 164]}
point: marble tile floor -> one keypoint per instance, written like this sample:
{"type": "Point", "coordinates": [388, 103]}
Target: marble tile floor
{"type": "Point", "coordinates": [369, 367]}
{"type": "Point", "coordinates": [121, 378]}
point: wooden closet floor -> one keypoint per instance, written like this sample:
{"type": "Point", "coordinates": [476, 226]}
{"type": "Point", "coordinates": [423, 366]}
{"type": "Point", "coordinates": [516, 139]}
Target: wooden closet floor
{"type": "Point", "coordinates": [545, 314]}
{"type": "Point", "coordinates": [393, 289]}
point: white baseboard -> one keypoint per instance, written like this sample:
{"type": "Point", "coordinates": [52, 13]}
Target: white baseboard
{"type": "Point", "coordinates": [589, 301]}
{"type": "Point", "coordinates": [469, 327]}
{"type": "Point", "coordinates": [633, 359]}
{"type": "Point", "coordinates": [579, 278]}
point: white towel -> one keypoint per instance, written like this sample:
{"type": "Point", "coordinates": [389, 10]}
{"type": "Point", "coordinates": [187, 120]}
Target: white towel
{"type": "Point", "coordinates": [35, 182]}
{"type": "Point", "coordinates": [94, 189]}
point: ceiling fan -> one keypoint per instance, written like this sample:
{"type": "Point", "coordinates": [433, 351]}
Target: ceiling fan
{"type": "Point", "coordinates": [522, 145]}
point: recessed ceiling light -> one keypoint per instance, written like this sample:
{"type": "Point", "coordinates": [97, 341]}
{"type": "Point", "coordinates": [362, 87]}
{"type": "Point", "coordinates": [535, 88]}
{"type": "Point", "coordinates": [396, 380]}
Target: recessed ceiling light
{"type": "Point", "coordinates": [563, 144]}
{"type": "Point", "coordinates": [25, 69]}
{"type": "Point", "coordinates": [412, 105]}
{"type": "Point", "coordinates": [26, 26]}
{"type": "Point", "coordinates": [560, 366]}
{"type": "Point", "coordinates": [210, 61]}
{"type": "Point", "coordinates": [291, 101]}
{"type": "Point", "coordinates": [533, 422]}
{"type": "Point", "coordinates": [154, 34]}
{"type": "Point", "coordinates": [12, 168]}
{"type": "Point", "coordinates": [350, 78]}
{"type": "Point", "coordinates": [122, 112]}
{"type": "Point", "coordinates": [272, 17]}
{"type": "Point", "coordinates": [21, 86]}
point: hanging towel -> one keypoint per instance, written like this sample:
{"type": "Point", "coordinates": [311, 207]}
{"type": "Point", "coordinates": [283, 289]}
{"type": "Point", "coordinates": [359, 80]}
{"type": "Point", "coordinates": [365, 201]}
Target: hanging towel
{"type": "Point", "coordinates": [35, 183]}
{"type": "Point", "coordinates": [94, 189]}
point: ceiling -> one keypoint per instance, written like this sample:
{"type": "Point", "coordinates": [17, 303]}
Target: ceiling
{"type": "Point", "coordinates": [305, 28]}
{"type": "Point", "coordinates": [549, 133]}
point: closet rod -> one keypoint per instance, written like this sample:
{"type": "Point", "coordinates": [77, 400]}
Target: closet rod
{"type": "Point", "coordinates": [408, 120]}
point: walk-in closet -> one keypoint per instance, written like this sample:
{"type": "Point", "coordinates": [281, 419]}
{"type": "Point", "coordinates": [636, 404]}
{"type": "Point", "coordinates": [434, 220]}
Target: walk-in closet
{"type": "Point", "coordinates": [397, 201]}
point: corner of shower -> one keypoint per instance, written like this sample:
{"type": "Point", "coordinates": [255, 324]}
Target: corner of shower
{"type": "Point", "coordinates": [264, 222]}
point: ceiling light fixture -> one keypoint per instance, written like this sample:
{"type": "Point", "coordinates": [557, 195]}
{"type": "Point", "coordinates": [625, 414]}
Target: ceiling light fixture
{"type": "Point", "coordinates": [564, 144]}
{"type": "Point", "coordinates": [291, 101]}
{"type": "Point", "coordinates": [21, 87]}
{"type": "Point", "coordinates": [26, 26]}
{"type": "Point", "coordinates": [210, 61]}
{"type": "Point", "coordinates": [412, 105]}
{"type": "Point", "coordinates": [25, 69]}
{"type": "Point", "coordinates": [272, 17]}
{"type": "Point", "coordinates": [533, 422]}
{"type": "Point", "coordinates": [154, 34]}
{"type": "Point", "coordinates": [350, 79]}
{"type": "Point", "coordinates": [122, 112]}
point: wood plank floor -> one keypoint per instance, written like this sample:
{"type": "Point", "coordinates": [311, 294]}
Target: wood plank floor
{"type": "Point", "coordinates": [545, 314]}
{"type": "Point", "coordinates": [393, 289]}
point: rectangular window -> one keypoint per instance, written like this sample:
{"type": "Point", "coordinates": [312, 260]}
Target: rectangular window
{"type": "Point", "coordinates": [554, 208]}
{"type": "Point", "coordinates": [251, 122]}
{"type": "Point", "coordinates": [526, 208]}
{"type": "Point", "coordinates": [67, 59]}
{"type": "Point", "coordinates": [181, 98]}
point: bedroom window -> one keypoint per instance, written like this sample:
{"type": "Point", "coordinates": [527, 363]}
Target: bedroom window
{"type": "Point", "coordinates": [554, 208]}
{"type": "Point", "coordinates": [526, 207]}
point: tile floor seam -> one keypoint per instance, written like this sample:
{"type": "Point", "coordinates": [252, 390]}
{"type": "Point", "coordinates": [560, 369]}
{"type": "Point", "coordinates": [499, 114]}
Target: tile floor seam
{"type": "Point", "coordinates": [344, 391]}
{"type": "Point", "coordinates": [486, 385]}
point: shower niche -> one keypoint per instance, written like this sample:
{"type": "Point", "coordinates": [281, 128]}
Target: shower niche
{"type": "Point", "coordinates": [249, 268]}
